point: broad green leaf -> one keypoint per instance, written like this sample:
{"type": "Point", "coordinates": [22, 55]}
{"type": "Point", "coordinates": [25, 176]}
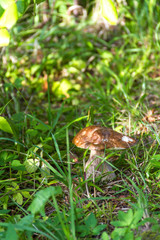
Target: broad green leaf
{"type": "Point", "coordinates": [129, 236]}
{"type": "Point", "coordinates": [31, 165]}
{"type": "Point", "coordinates": [105, 236]}
{"type": "Point", "coordinates": [11, 233]}
{"type": "Point", "coordinates": [15, 186]}
{"type": "Point", "coordinates": [4, 37]}
{"type": "Point", "coordinates": [27, 220]}
{"type": "Point", "coordinates": [26, 194]}
{"type": "Point", "coordinates": [119, 223]}
{"type": "Point", "coordinates": [1, 11]}
{"type": "Point", "coordinates": [91, 221]}
{"type": "Point", "coordinates": [61, 88]}
{"type": "Point", "coordinates": [5, 126]}
{"type": "Point", "coordinates": [118, 233]}
{"type": "Point", "coordinates": [32, 132]}
{"type": "Point", "coordinates": [98, 229]}
{"type": "Point", "coordinates": [125, 218]}
{"type": "Point", "coordinates": [109, 11]}
{"type": "Point", "coordinates": [42, 197]}
{"type": "Point", "coordinates": [21, 6]}
{"type": "Point", "coordinates": [83, 230]}
{"type": "Point", "coordinates": [18, 198]}
{"type": "Point", "coordinates": [16, 165]}
{"type": "Point", "coordinates": [10, 16]}
{"type": "Point", "coordinates": [137, 217]}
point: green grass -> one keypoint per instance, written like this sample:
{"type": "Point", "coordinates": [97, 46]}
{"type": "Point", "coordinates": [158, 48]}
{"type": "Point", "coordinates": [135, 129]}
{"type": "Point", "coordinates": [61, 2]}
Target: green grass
{"type": "Point", "coordinates": [111, 81]}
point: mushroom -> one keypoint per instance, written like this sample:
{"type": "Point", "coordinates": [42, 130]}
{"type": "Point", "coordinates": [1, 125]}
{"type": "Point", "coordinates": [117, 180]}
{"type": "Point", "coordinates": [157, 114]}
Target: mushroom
{"type": "Point", "coordinates": [97, 139]}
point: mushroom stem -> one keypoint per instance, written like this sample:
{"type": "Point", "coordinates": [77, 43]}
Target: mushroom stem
{"type": "Point", "coordinates": [94, 161]}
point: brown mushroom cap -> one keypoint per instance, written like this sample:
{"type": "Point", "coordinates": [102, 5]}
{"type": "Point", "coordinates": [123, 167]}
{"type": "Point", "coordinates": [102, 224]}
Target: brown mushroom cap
{"type": "Point", "coordinates": [99, 138]}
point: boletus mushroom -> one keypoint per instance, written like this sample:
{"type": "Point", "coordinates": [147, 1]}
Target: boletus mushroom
{"type": "Point", "coordinates": [97, 139]}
